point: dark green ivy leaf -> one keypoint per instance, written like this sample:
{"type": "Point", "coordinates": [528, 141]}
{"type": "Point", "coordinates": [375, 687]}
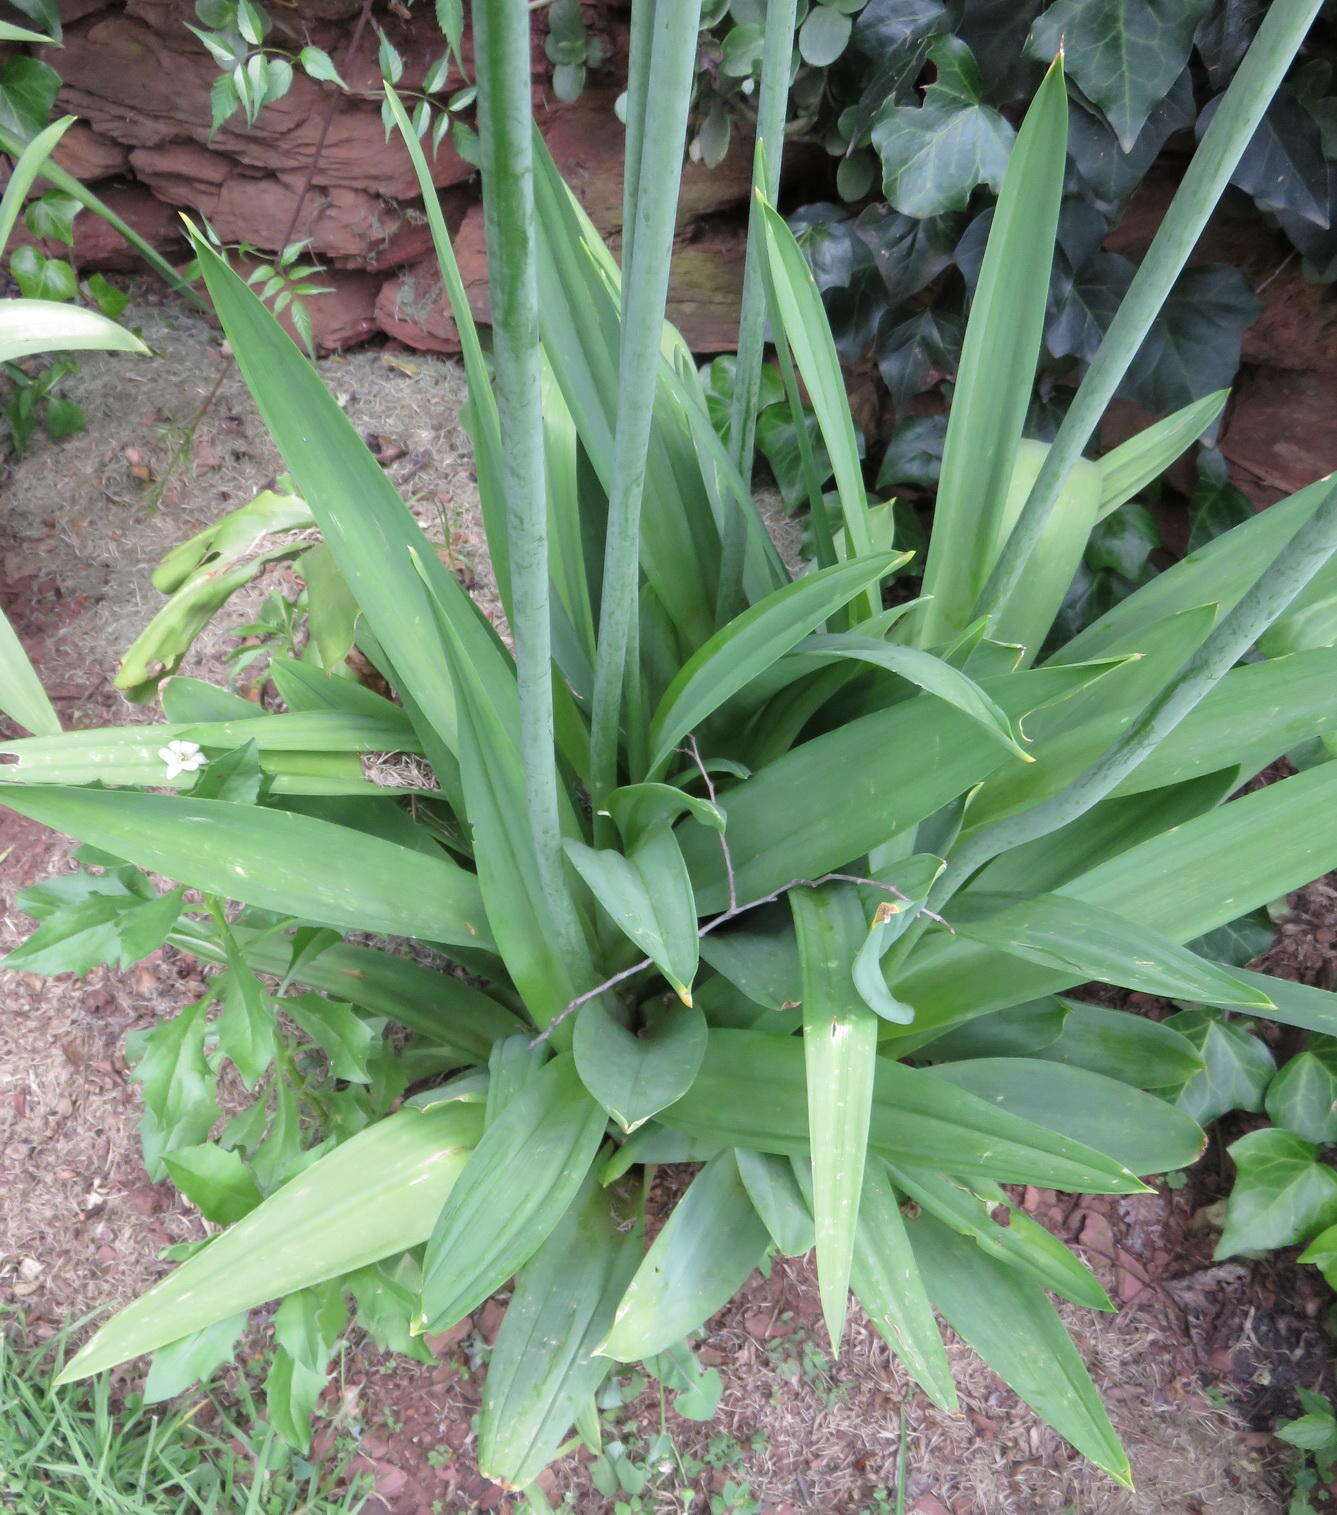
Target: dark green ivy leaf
{"type": "Point", "coordinates": [1216, 505]}
{"type": "Point", "coordinates": [1122, 54]}
{"type": "Point", "coordinates": [1237, 1066]}
{"type": "Point", "coordinates": [1283, 167]}
{"type": "Point", "coordinates": [1283, 1194]}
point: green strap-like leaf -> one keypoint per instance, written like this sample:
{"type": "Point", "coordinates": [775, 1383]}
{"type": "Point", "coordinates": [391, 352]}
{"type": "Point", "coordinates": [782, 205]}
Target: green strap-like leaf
{"type": "Point", "coordinates": [298, 866]}
{"type": "Point", "coordinates": [543, 1368]}
{"type": "Point", "coordinates": [1014, 1328]}
{"type": "Point", "coordinates": [839, 1057]}
{"type": "Point", "coordinates": [374, 1195]}
{"type": "Point", "coordinates": [514, 1190]}
{"type": "Point", "coordinates": [22, 697]}
{"type": "Point", "coordinates": [38, 326]}
{"type": "Point", "coordinates": [997, 369]}
{"type": "Point", "coordinates": [709, 1245]}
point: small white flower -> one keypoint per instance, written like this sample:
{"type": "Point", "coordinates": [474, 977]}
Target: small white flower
{"type": "Point", "coordinates": [181, 757]}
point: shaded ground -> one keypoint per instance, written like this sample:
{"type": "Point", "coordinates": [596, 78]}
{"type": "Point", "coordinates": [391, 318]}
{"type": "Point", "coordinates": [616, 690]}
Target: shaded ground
{"type": "Point", "coordinates": [1196, 1367]}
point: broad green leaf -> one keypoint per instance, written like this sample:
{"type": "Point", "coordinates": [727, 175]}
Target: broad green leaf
{"type": "Point", "coordinates": [29, 327]}
{"type": "Point", "coordinates": [751, 1092]}
{"type": "Point", "coordinates": [930, 673]}
{"type": "Point", "coordinates": [103, 928]}
{"type": "Point", "coordinates": [1123, 1044]}
{"type": "Point", "coordinates": [1127, 1125]}
{"type": "Point", "coordinates": [1014, 1328]}
{"type": "Point", "coordinates": [710, 1243]}
{"type": "Point", "coordinates": [1193, 877]}
{"type": "Point", "coordinates": [988, 1218]}
{"type": "Point", "coordinates": [365, 523]}
{"type": "Point", "coordinates": [1237, 1066]}
{"type": "Point", "coordinates": [777, 1198]}
{"type": "Point", "coordinates": [1322, 1252]}
{"type": "Point", "coordinates": [1302, 1098]}
{"type": "Point", "coordinates": [247, 1028]}
{"type": "Point", "coordinates": [751, 642]}
{"type": "Point", "coordinates": [635, 1075]}
{"type": "Point", "coordinates": [195, 1357]}
{"type": "Point", "coordinates": [1002, 343]}
{"type": "Point", "coordinates": [344, 1037]}
{"type": "Point", "coordinates": [215, 1180]}
{"type": "Point", "coordinates": [890, 1288]}
{"type": "Point", "coordinates": [839, 1057]}
{"type": "Point", "coordinates": [515, 1188]}
{"type": "Point", "coordinates": [543, 1367]}
{"type": "Point", "coordinates": [1283, 1194]}
{"type": "Point", "coordinates": [180, 1089]}
{"type": "Point", "coordinates": [288, 863]}
{"type": "Point", "coordinates": [933, 155]}
{"type": "Point", "coordinates": [372, 1196]}
{"type": "Point", "coordinates": [648, 896]}
{"type": "Point", "coordinates": [1059, 932]}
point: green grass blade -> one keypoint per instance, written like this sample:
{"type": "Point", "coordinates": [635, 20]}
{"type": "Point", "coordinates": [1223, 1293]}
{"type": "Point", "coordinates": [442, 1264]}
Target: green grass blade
{"type": "Point", "coordinates": [1223, 143]}
{"type": "Point", "coordinates": [373, 1196]}
{"type": "Point", "coordinates": [997, 369]}
{"type": "Point", "coordinates": [839, 1055]}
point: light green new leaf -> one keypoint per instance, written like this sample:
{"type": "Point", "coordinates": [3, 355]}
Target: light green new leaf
{"type": "Point", "coordinates": [648, 896]}
{"type": "Point", "coordinates": [1148, 453]}
{"type": "Point", "coordinates": [839, 1057]}
{"type": "Point", "coordinates": [516, 1187]}
{"type": "Point", "coordinates": [889, 1286]}
{"type": "Point", "coordinates": [750, 643]}
{"type": "Point", "coordinates": [1283, 1194]}
{"type": "Point", "coordinates": [1129, 1126]}
{"type": "Point", "coordinates": [215, 1180]}
{"type": "Point", "coordinates": [997, 370]}
{"type": "Point", "coordinates": [293, 864]}
{"type": "Point", "coordinates": [709, 1245]}
{"type": "Point", "coordinates": [543, 1368]}
{"type": "Point", "coordinates": [634, 1076]}
{"type": "Point", "coordinates": [1059, 932]}
{"type": "Point", "coordinates": [374, 1195]}
{"type": "Point", "coordinates": [1014, 1328]}
{"type": "Point", "coordinates": [1302, 1098]}
{"type": "Point", "coordinates": [37, 326]}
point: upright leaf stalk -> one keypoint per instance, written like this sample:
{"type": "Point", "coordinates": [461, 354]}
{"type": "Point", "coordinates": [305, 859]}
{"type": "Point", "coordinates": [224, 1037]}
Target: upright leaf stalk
{"type": "Point", "coordinates": [501, 40]}
{"type": "Point", "coordinates": [661, 136]}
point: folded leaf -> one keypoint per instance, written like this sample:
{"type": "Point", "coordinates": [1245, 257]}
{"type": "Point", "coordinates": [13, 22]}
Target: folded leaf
{"type": "Point", "coordinates": [634, 1076]}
